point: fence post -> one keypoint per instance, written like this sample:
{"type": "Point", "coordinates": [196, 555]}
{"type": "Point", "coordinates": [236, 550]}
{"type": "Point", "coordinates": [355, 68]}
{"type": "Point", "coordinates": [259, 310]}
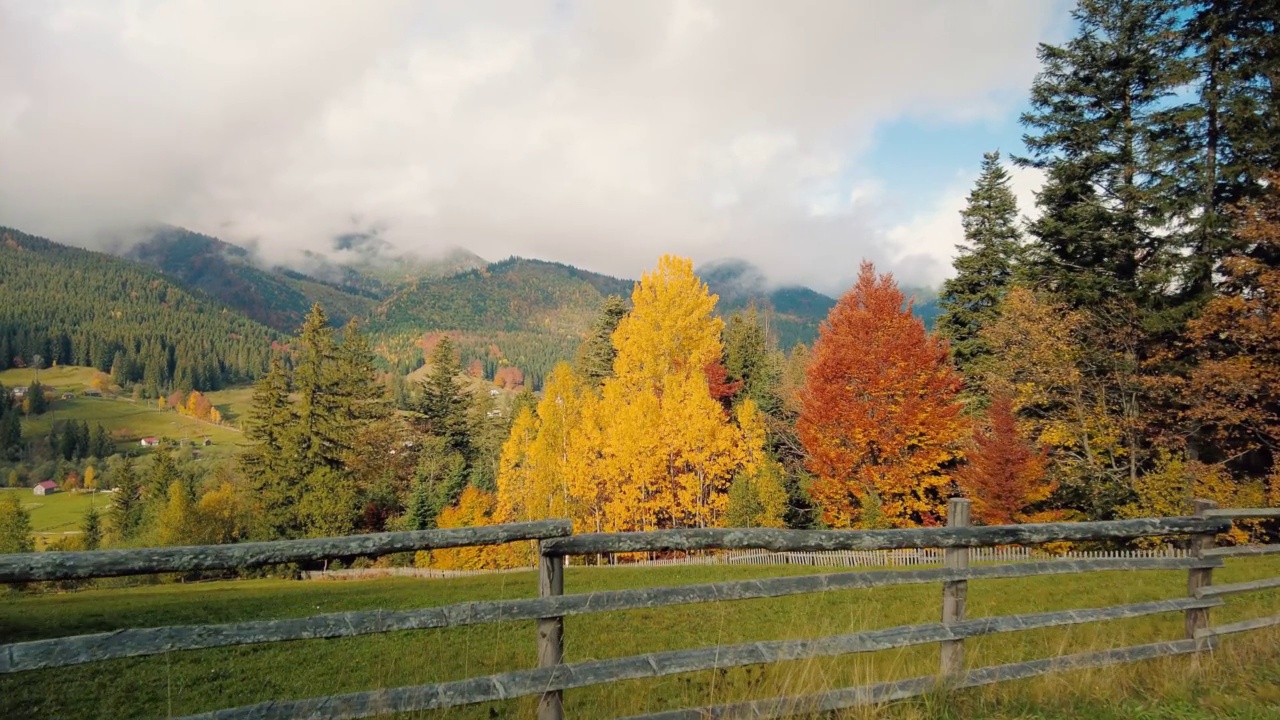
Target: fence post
{"type": "Point", "coordinates": [550, 632]}
{"type": "Point", "coordinates": [1199, 577]}
{"type": "Point", "coordinates": [954, 593]}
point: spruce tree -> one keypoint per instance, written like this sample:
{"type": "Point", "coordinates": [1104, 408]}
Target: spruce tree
{"type": "Point", "coordinates": [443, 402]}
{"type": "Point", "coordinates": [750, 357]}
{"type": "Point", "coordinates": [91, 529]}
{"type": "Point", "coordinates": [1227, 135]}
{"type": "Point", "coordinates": [271, 462]}
{"type": "Point", "coordinates": [320, 425]}
{"type": "Point", "coordinates": [1093, 128]}
{"type": "Point", "coordinates": [126, 503]}
{"type": "Point", "coordinates": [594, 361]}
{"type": "Point", "coordinates": [101, 445]}
{"type": "Point", "coordinates": [15, 525]}
{"type": "Point", "coordinates": [984, 266]}
{"type": "Point", "coordinates": [358, 388]}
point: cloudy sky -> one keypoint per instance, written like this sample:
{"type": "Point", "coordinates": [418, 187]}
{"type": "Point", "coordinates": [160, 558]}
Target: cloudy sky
{"type": "Point", "coordinates": [802, 136]}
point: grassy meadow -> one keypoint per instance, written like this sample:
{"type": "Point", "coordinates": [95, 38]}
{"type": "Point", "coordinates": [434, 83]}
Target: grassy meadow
{"type": "Point", "coordinates": [58, 514]}
{"type": "Point", "coordinates": [129, 420]}
{"type": "Point", "coordinates": [1240, 680]}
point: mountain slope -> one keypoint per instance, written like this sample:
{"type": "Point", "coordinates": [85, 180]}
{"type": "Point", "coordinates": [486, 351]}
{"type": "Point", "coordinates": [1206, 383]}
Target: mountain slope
{"type": "Point", "coordinates": [276, 298]}
{"type": "Point", "coordinates": [525, 313]}
{"type": "Point", "coordinates": [793, 313]}
{"type": "Point", "coordinates": [76, 307]}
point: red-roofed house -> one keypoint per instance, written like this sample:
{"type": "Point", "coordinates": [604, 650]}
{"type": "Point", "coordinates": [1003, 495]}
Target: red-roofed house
{"type": "Point", "coordinates": [150, 441]}
{"type": "Point", "coordinates": [48, 487]}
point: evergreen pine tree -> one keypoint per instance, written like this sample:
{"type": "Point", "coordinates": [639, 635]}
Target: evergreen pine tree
{"type": "Point", "coordinates": [271, 461]}
{"type": "Point", "coordinates": [126, 503]}
{"type": "Point", "coordinates": [358, 387]}
{"type": "Point", "coordinates": [984, 266]}
{"type": "Point", "coordinates": [15, 525]}
{"type": "Point", "coordinates": [752, 359]}
{"type": "Point", "coordinates": [419, 516]}
{"type": "Point", "coordinates": [101, 445]}
{"type": "Point", "coordinates": [1227, 136]}
{"type": "Point", "coordinates": [320, 425]}
{"type": "Point", "coordinates": [443, 401]}
{"type": "Point", "coordinates": [91, 529]}
{"type": "Point", "coordinates": [594, 361]}
{"type": "Point", "coordinates": [1095, 106]}
{"type": "Point", "coordinates": [35, 400]}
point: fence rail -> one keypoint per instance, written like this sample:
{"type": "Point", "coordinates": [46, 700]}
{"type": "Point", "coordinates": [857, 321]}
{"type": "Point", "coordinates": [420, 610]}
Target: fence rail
{"type": "Point", "coordinates": [965, 554]}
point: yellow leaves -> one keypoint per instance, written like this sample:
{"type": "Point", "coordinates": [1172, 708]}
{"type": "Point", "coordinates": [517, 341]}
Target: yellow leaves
{"type": "Point", "coordinates": [671, 326]}
{"type": "Point", "coordinates": [474, 507]}
{"type": "Point", "coordinates": [654, 449]}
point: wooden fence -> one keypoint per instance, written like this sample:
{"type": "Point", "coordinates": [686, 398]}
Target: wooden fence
{"type": "Point", "coordinates": [553, 676]}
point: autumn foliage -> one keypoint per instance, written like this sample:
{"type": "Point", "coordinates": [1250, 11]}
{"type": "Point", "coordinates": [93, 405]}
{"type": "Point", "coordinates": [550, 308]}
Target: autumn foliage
{"type": "Point", "coordinates": [654, 447]}
{"type": "Point", "coordinates": [1004, 475]}
{"type": "Point", "coordinates": [879, 416]}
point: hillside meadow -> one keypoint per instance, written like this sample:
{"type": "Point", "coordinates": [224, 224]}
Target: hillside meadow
{"type": "Point", "coordinates": [1240, 680]}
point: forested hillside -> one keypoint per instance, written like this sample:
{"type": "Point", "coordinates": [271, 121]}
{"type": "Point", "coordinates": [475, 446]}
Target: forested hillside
{"type": "Point", "coordinates": [70, 306]}
{"type": "Point", "coordinates": [525, 313]}
{"type": "Point", "coordinates": [276, 298]}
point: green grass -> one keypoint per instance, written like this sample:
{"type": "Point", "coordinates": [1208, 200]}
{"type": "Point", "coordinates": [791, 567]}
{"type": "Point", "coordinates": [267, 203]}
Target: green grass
{"type": "Point", "coordinates": [1241, 680]}
{"type": "Point", "coordinates": [128, 421]}
{"type": "Point", "coordinates": [60, 512]}
{"type": "Point", "coordinates": [66, 378]}
{"type": "Point", "coordinates": [233, 403]}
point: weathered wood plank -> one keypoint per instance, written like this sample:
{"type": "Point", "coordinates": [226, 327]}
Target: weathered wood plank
{"type": "Point", "coordinates": [134, 642]}
{"type": "Point", "coordinates": [879, 693]}
{"type": "Point", "coordinates": [550, 633]}
{"type": "Point", "coordinates": [1240, 587]}
{"type": "Point", "coordinates": [1242, 550]}
{"type": "Point", "coordinates": [810, 540]}
{"type": "Point", "coordinates": [1198, 578]}
{"type": "Point", "coordinates": [25, 567]}
{"type": "Point", "coordinates": [1244, 513]}
{"type": "Point", "coordinates": [1241, 626]}
{"type": "Point", "coordinates": [951, 652]}
{"type": "Point", "coordinates": [563, 677]}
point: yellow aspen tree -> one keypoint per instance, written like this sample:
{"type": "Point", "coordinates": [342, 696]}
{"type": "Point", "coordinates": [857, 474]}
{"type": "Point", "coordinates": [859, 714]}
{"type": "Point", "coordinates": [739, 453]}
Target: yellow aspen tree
{"type": "Point", "coordinates": [668, 451]}
{"type": "Point", "coordinates": [515, 470]}
{"type": "Point", "coordinates": [671, 326]}
{"type": "Point", "coordinates": [559, 412]}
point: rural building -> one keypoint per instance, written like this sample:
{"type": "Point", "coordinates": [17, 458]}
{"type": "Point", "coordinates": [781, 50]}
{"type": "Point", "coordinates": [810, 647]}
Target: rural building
{"type": "Point", "coordinates": [67, 396]}
{"type": "Point", "coordinates": [48, 487]}
{"type": "Point", "coordinates": [92, 393]}
{"type": "Point", "coordinates": [150, 441]}
{"type": "Point", "coordinates": [19, 392]}
{"type": "Point", "coordinates": [207, 442]}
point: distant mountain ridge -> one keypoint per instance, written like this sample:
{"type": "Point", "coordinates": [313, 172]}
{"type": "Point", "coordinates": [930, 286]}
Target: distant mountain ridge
{"type": "Point", "coordinates": [519, 311]}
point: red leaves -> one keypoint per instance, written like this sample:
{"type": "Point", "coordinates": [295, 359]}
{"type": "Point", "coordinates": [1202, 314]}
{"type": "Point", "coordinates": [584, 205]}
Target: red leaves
{"type": "Point", "coordinates": [879, 416]}
{"type": "Point", "coordinates": [1004, 474]}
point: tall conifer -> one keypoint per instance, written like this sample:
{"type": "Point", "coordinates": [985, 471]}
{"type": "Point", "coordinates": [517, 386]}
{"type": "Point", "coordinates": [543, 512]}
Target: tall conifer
{"type": "Point", "coordinates": [984, 266]}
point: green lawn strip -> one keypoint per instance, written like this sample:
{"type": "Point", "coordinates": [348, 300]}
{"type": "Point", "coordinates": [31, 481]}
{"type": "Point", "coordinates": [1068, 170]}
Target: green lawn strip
{"type": "Point", "coordinates": [185, 682]}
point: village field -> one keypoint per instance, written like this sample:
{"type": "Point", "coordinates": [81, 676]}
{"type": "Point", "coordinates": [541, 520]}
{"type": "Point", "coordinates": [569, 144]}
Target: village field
{"type": "Point", "coordinates": [53, 516]}
{"type": "Point", "coordinates": [1241, 679]}
{"type": "Point", "coordinates": [129, 420]}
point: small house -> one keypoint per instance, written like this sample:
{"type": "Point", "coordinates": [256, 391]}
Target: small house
{"type": "Point", "coordinates": [207, 442]}
{"type": "Point", "coordinates": [19, 392]}
{"type": "Point", "coordinates": [67, 396]}
{"type": "Point", "coordinates": [495, 392]}
{"type": "Point", "coordinates": [92, 393]}
{"type": "Point", "coordinates": [48, 487]}
{"type": "Point", "coordinates": [150, 441]}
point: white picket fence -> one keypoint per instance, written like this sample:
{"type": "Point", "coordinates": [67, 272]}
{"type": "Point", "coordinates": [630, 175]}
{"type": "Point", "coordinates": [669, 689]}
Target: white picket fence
{"type": "Point", "coordinates": [833, 558]}
{"type": "Point", "coordinates": [899, 558]}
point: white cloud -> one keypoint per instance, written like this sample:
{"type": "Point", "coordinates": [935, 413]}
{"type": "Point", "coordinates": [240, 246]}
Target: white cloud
{"type": "Point", "coordinates": [599, 133]}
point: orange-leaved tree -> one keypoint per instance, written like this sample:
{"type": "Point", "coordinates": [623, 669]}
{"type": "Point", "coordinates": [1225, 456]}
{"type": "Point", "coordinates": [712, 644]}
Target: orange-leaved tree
{"type": "Point", "coordinates": [1004, 475]}
{"type": "Point", "coordinates": [1236, 384]}
{"type": "Point", "coordinates": [879, 417]}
